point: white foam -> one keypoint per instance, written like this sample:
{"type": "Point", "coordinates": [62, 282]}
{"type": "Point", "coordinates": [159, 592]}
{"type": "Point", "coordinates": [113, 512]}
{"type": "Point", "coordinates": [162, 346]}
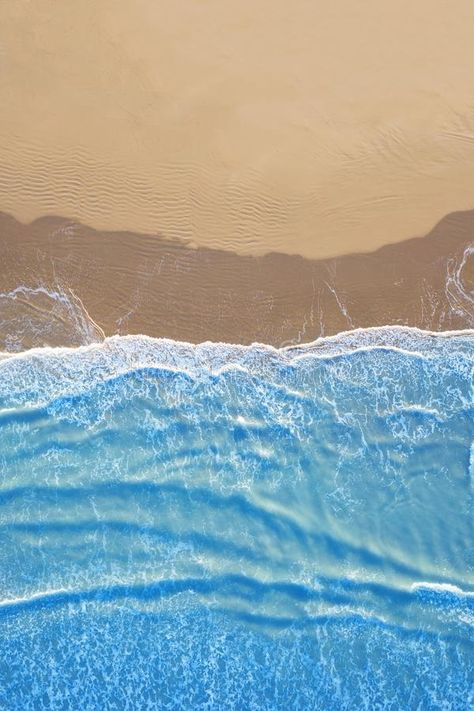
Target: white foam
{"type": "Point", "coordinates": [460, 300]}
{"type": "Point", "coordinates": [31, 316]}
{"type": "Point", "coordinates": [442, 588]}
{"type": "Point", "coordinates": [39, 374]}
{"type": "Point", "coordinates": [358, 338]}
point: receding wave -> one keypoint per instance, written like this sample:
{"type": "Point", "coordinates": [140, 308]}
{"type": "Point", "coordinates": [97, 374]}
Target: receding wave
{"type": "Point", "coordinates": [39, 315]}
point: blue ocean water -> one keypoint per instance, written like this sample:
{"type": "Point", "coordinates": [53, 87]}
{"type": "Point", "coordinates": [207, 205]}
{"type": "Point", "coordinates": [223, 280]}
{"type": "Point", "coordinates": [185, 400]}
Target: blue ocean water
{"type": "Point", "coordinates": [225, 527]}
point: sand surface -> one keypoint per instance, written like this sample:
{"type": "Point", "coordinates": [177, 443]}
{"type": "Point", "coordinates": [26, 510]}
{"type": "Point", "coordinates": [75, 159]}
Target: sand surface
{"type": "Point", "coordinates": [305, 128]}
{"type": "Point", "coordinates": [64, 283]}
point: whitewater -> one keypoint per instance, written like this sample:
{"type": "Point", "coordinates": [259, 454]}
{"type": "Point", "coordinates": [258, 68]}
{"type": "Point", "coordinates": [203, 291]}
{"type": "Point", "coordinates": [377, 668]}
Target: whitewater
{"type": "Point", "coordinates": [225, 527]}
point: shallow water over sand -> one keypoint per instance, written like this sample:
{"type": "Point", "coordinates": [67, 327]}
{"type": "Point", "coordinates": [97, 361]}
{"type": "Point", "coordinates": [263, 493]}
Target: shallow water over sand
{"type": "Point", "coordinates": [65, 284]}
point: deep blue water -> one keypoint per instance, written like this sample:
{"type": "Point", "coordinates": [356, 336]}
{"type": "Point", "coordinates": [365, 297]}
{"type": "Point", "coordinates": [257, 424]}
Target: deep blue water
{"type": "Point", "coordinates": [225, 527]}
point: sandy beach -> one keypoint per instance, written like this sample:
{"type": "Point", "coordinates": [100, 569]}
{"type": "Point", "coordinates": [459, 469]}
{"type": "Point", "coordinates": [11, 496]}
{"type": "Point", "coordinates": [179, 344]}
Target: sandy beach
{"type": "Point", "coordinates": [310, 129]}
{"type": "Point", "coordinates": [231, 172]}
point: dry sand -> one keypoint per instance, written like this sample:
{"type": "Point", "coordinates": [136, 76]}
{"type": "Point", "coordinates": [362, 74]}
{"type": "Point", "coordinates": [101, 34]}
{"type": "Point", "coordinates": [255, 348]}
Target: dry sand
{"type": "Point", "coordinates": [300, 127]}
{"type": "Point", "coordinates": [63, 283]}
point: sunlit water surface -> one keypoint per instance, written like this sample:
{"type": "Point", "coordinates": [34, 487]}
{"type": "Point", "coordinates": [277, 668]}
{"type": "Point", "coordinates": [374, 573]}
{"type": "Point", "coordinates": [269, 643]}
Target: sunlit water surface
{"type": "Point", "coordinates": [224, 527]}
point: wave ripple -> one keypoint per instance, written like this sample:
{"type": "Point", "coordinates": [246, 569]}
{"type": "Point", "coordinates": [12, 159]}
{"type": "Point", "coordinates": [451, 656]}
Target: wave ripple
{"type": "Point", "coordinates": [229, 527]}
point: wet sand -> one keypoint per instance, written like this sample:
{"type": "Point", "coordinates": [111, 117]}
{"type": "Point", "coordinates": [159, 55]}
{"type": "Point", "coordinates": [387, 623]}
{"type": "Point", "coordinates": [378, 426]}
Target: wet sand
{"type": "Point", "coordinates": [63, 283]}
{"type": "Point", "coordinates": [304, 128]}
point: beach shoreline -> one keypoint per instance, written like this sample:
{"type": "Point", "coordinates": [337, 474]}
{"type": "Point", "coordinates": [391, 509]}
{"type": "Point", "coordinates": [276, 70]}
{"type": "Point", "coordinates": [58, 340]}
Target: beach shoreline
{"type": "Point", "coordinates": [67, 284]}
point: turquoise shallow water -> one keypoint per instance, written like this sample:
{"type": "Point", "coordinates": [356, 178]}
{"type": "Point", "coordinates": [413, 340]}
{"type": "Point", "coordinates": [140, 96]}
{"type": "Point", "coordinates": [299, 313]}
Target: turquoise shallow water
{"type": "Point", "coordinates": [225, 527]}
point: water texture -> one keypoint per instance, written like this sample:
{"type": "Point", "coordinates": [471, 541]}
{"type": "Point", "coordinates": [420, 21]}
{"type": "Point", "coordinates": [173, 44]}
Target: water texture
{"type": "Point", "coordinates": [229, 527]}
